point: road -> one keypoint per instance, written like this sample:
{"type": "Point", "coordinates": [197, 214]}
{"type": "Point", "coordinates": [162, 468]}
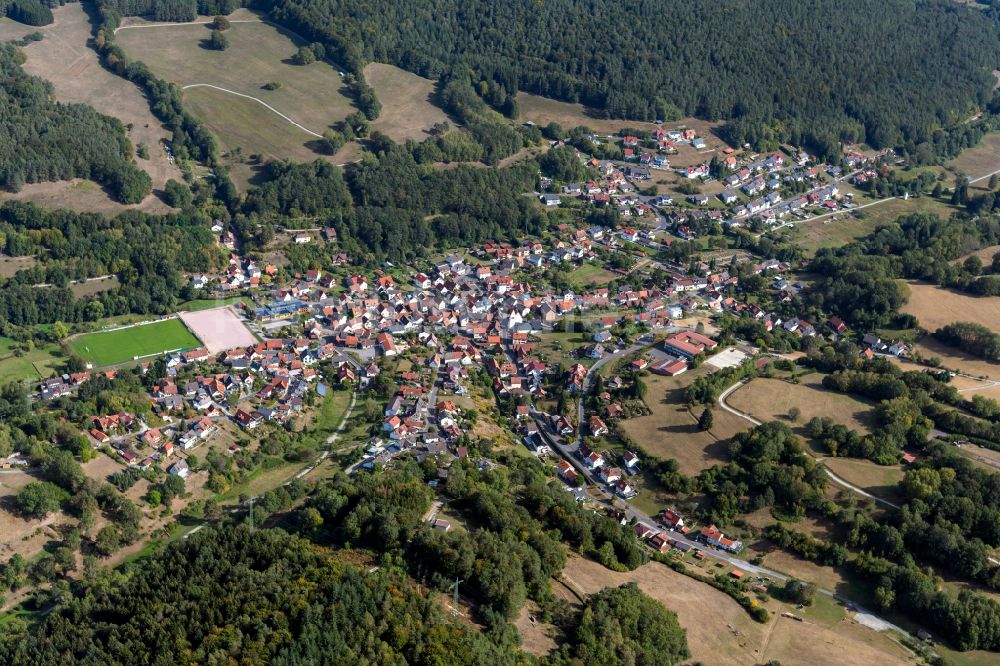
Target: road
{"type": "Point", "coordinates": [609, 501]}
{"type": "Point", "coordinates": [833, 477]}
{"type": "Point", "coordinates": [644, 341]}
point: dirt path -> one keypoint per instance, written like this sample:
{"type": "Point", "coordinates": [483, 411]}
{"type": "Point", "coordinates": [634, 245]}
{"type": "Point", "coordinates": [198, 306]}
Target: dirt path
{"type": "Point", "coordinates": [256, 99]}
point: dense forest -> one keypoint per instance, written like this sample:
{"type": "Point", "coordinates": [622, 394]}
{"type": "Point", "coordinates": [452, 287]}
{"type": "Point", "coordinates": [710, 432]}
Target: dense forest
{"type": "Point", "coordinates": [148, 261]}
{"type": "Point", "coordinates": [391, 207]}
{"type": "Point", "coordinates": [886, 73]}
{"type": "Point", "coordinates": [43, 140]}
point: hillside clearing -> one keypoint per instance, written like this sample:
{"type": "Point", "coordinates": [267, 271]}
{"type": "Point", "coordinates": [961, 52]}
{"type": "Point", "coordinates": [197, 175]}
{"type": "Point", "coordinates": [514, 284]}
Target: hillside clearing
{"type": "Point", "coordinates": [64, 58]}
{"type": "Point", "coordinates": [408, 110]}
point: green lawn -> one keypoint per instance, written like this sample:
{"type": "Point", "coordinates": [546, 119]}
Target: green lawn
{"type": "Point", "coordinates": [28, 366]}
{"type": "Point", "coordinates": [111, 347]}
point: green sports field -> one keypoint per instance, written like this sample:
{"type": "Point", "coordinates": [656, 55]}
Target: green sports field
{"type": "Point", "coordinates": [111, 347]}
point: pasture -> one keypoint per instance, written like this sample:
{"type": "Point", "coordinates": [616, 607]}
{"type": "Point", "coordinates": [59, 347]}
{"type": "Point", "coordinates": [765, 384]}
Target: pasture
{"type": "Point", "coordinates": [935, 306]}
{"type": "Point", "coordinates": [720, 632]}
{"type": "Point", "coordinates": [16, 365]}
{"type": "Point", "coordinates": [125, 344]}
{"type": "Point", "coordinates": [64, 58]}
{"type": "Point", "coordinates": [671, 430]}
{"type": "Point", "coordinates": [408, 108]}
{"type": "Point", "coordinates": [771, 399]}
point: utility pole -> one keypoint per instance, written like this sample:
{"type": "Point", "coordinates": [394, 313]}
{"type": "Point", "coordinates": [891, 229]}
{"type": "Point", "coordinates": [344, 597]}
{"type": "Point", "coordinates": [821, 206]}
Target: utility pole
{"type": "Point", "coordinates": [455, 595]}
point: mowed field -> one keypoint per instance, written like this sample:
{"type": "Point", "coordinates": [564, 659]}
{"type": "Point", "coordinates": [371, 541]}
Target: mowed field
{"type": "Point", "coordinates": [771, 399]}
{"type": "Point", "coordinates": [64, 58]}
{"type": "Point", "coordinates": [258, 53]}
{"type": "Point", "coordinates": [720, 632]}
{"type": "Point", "coordinates": [671, 431]}
{"type": "Point", "coordinates": [121, 345]}
{"type": "Point", "coordinates": [935, 306]}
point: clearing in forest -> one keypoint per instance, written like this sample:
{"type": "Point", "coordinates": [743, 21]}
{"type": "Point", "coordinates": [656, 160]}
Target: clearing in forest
{"type": "Point", "coordinates": [408, 109]}
{"type": "Point", "coordinates": [771, 399]}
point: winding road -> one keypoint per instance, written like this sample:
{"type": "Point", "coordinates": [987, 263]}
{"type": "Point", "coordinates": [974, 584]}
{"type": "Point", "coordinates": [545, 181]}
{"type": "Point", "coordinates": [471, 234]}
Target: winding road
{"type": "Point", "coordinates": [833, 477]}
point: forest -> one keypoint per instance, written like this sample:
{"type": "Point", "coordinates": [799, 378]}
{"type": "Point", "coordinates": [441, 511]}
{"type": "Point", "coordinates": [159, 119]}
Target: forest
{"type": "Point", "coordinates": [888, 74]}
{"type": "Point", "coordinates": [43, 140]}
{"type": "Point", "coordinates": [232, 595]}
{"type": "Point", "coordinates": [148, 261]}
{"type": "Point", "coordinates": [390, 207]}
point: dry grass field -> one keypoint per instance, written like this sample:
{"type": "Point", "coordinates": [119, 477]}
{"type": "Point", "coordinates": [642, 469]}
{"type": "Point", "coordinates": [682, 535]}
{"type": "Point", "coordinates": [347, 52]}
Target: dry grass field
{"type": "Point", "coordinates": [954, 359]}
{"type": "Point", "coordinates": [771, 399]}
{"type": "Point", "coordinates": [17, 535]}
{"type": "Point", "coordinates": [671, 431]}
{"type": "Point", "coordinates": [935, 306]}
{"type": "Point", "coordinates": [9, 266]}
{"type": "Point", "coordinates": [879, 480]}
{"type": "Point", "coordinates": [985, 255]}
{"type": "Point", "coordinates": [720, 632]}
{"type": "Point", "coordinates": [980, 160]}
{"type": "Point", "coordinates": [407, 107]}
{"type": "Point", "coordinates": [64, 58]}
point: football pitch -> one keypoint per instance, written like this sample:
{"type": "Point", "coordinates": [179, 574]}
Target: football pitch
{"type": "Point", "coordinates": [125, 344]}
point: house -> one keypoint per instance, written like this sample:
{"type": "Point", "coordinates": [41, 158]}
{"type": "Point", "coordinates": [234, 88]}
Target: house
{"type": "Point", "coordinates": [566, 471]}
{"type": "Point", "coordinates": [672, 519]}
{"type": "Point", "coordinates": [714, 537]}
{"type": "Point", "coordinates": [644, 531]}
{"type": "Point", "coordinates": [550, 200]}
{"type": "Point", "coordinates": [661, 542]}
{"type": "Point", "coordinates": [597, 427]}
{"type": "Point", "coordinates": [610, 475]}
{"type": "Point", "coordinates": [630, 460]}
{"type": "Point", "coordinates": [179, 468]}
{"type": "Point", "coordinates": [302, 238]}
